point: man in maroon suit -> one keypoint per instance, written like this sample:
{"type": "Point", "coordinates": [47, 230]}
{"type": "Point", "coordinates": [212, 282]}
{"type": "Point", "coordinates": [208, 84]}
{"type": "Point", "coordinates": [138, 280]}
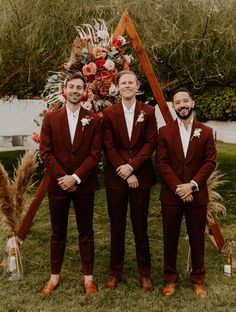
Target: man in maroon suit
{"type": "Point", "coordinates": [70, 147]}
{"type": "Point", "coordinates": [130, 131]}
{"type": "Point", "coordinates": [186, 156]}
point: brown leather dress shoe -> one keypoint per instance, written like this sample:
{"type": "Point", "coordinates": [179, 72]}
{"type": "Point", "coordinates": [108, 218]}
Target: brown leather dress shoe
{"type": "Point", "coordinates": [146, 284]}
{"type": "Point", "coordinates": [49, 287]}
{"type": "Point", "coordinates": [169, 289]}
{"type": "Point", "coordinates": [199, 290]}
{"type": "Point", "coordinates": [90, 287]}
{"type": "Point", "coordinates": [111, 282]}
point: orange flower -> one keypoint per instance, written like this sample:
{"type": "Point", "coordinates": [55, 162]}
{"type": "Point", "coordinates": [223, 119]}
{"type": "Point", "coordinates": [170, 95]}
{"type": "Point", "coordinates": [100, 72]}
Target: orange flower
{"type": "Point", "coordinates": [126, 67]}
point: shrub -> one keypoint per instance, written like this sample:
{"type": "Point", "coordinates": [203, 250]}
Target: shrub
{"type": "Point", "coordinates": [217, 104]}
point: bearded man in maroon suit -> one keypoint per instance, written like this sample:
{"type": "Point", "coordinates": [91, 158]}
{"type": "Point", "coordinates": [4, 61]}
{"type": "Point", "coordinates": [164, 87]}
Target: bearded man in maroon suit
{"type": "Point", "coordinates": [186, 157]}
{"type": "Point", "coordinates": [130, 131]}
{"type": "Point", "coordinates": [70, 148]}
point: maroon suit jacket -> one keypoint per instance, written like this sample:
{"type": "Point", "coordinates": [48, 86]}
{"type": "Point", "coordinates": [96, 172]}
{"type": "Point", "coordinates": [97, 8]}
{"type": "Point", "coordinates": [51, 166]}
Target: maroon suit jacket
{"type": "Point", "coordinates": [176, 169]}
{"type": "Point", "coordinates": [120, 150]}
{"type": "Point", "coordinates": [60, 157]}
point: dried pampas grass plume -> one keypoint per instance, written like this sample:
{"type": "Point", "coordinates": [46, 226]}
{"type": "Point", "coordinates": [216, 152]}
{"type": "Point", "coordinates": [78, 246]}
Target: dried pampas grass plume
{"type": "Point", "coordinates": [12, 193]}
{"type": "Point", "coordinates": [214, 206]}
{"type": "Point", "coordinates": [6, 200]}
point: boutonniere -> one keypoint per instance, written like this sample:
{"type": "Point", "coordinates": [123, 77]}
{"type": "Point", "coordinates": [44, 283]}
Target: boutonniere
{"type": "Point", "coordinates": [86, 121]}
{"type": "Point", "coordinates": [140, 117]}
{"type": "Point", "coordinates": [196, 133]}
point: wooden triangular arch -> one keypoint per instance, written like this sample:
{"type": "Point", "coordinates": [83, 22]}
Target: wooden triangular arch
{"type": "Point", "coordinates": [125, 24]}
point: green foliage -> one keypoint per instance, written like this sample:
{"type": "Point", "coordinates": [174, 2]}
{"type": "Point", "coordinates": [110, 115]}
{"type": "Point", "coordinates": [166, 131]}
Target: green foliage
{"type": "Point", "coordinates": [189, 43]}
{"type": "Point", "coordinates": [217, 104]}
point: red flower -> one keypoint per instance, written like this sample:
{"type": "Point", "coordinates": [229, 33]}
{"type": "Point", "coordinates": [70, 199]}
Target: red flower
{"type": "Point", "coordinates": [116, 43]}
{"type": "Point", "coordinates": [100, 63]}
{"type": "Point", "coordinates": [85, 96]}
{"type": "Point", "coordinates": [102, 75]}
{"type": "Point", "coordinates": [35, 137]}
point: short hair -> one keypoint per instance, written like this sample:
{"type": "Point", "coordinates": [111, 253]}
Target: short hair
{"type": "Point", "coordinates": [126, 72]}
{"type": "Point", "coordinates": [76, 75]}
{"type": "Point", "coordinates": [182, 90]}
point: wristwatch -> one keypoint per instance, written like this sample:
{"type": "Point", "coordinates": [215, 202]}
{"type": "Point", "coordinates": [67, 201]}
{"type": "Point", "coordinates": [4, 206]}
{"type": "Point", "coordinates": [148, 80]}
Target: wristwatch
{"type": "Point", "coordinates": [194, 186]}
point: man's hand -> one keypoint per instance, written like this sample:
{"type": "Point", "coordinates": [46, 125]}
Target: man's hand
{"type": "Point", "coordinates": [188, 199]}
{"type": "Point", "coordinates": [124, 171]}
{"type": "Point", "coordinates": [67, 183]}
{"type": "Point", "coordinates": [132, 181]}
{"type": "Point", "coordinates": [184, 190]}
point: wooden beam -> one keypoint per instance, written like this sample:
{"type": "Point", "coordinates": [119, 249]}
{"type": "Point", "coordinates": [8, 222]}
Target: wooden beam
{"type": "Point", "coordinates": [27, 221]}
{"type": "Point", "coordinates": [126, 23]}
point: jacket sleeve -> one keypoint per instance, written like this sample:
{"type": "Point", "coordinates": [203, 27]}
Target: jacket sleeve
{"type": "Point", "coordinates": [50, 162]}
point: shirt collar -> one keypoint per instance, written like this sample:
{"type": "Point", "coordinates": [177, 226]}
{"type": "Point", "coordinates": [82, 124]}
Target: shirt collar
{"type": "Point", "coordinates": [181, 124]}
{"type": "Point", "coordinates": [70, 113]}
{"type": "Point", "coordinates": [132, 108]}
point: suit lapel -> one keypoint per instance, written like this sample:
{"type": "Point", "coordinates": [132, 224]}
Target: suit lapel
{"type": "Point", "coordinates": [79, 131]}
{"type": "Point", "coordinates": [176, 141]}
{"type": "Point", "coordinates": [136, 126]}
{"type": "Point", "coordinates": [65, 128]}
{"type": "Point", "coordinates": [193, 143]}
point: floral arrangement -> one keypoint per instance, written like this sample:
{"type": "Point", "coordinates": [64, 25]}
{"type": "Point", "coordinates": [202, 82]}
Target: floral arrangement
{"type": "Point", "coordinates": [99, 57]}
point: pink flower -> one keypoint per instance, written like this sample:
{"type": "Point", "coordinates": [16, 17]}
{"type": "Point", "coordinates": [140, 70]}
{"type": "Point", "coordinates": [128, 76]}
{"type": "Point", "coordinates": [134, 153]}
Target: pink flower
{"type": "Point", "coordinates": [89, 69]}
{"type": "Point", "coordinates": [87, 37]}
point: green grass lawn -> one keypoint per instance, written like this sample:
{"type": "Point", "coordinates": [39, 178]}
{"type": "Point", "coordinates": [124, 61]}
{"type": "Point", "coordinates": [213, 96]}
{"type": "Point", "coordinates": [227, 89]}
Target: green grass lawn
{"type": "Point", "coordinates": [23, 295]}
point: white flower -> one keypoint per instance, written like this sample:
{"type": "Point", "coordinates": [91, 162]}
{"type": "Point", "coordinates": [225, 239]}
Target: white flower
{"type": "Point", "coordinates": [122, 39]}
{"type": "Point", "coordinates": [85, 121]}
{"type": "Point", "coordinates": [196, 133]}
{"type": "Point", "coordinates": [128, 58]}
{"type": "Point", "coordinates": [87, 105]}
{"type": "Point", "coordinates": [113, 90]}
{"type": "Point", "coordinates": [140, 117]}
{"type": "Point", "coordinates": [109, 65]}
{"type": "Point", "coordinates": [102, 34]}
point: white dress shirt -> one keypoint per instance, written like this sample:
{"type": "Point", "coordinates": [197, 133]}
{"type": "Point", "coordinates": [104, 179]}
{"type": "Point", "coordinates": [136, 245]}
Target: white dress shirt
{"type": "Point", "coordinates": [72, 121]}
{"type": "Point", "coordinates": [185, 134]}
{"type": "Point", "coordinates": [129, 118]}
{"type": "Point", "coordinates": [185, 138]}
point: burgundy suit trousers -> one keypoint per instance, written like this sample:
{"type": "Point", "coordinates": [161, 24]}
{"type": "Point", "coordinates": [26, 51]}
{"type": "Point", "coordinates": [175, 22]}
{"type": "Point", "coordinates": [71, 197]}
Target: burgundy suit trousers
{"type": "Point", "coordinates": [117, 208]}
{"type": "Point", "coordinates": [59, 205]}
{"type": "Point", "coordinates": [195, 217]}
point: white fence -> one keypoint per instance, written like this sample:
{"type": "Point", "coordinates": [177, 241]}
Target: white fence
{"type": "Point", "coordinates": [17, 123]}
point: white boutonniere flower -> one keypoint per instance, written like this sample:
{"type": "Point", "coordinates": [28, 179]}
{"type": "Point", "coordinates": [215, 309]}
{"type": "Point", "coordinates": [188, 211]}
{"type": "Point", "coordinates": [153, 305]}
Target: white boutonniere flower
{"type": "Point", "coordinates": [196, 133]}
{"type": "Point", "coordinates": [140, 117]}
{"type": "Point", "coordinates": [86, 121]}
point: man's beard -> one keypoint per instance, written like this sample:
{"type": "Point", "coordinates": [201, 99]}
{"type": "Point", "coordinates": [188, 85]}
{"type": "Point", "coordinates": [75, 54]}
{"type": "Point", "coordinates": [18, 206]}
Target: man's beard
{"type": "Point", "coordinates": [184, 117]}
